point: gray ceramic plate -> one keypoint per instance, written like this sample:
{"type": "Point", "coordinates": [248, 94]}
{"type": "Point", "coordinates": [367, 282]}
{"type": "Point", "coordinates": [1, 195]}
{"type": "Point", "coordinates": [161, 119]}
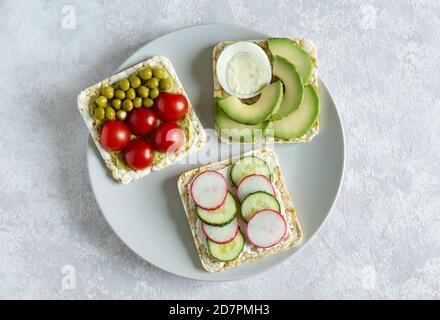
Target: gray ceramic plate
{"type": "Point", "coordinates": [148, 215]}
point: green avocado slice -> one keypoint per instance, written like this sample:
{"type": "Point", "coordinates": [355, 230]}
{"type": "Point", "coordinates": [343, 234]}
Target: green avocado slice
{"type": "Point", "coordinates": [301, 120]}
{"type": "Point", "coordinates": [293, 87]}
{"type": "Point", "coordinates": [296, 55]}
{"type": "Point", "coordinates": [260, 111]}
{"type": "Point", "coordinates": [238, 132]}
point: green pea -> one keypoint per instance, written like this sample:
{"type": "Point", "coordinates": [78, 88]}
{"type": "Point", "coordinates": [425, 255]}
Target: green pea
{"type": "Point", "coordinates": [153, 83]}
{"type": "Point", "coordinates": [110, 113]}
{"type": "Point", "coordinates": [108, 92]}
{"type": "Point", "coordinates": [148, 102]}
{"type": "Point", "coordinates": [143, 92]}
{"type": "Point", "coordinates": [135, 82]}
{"type": "Point", "coordinates": [120, 94]}
{"type": "Point", "coordinates": [101, 101]}
{"type": "Point", "coordinates": [165, 84]}
{"type": "Point", "coordinates": [99, 113]}
{"type": "Point", "coordinates": [124, 84]}
{"type": "Point", "coordinates": [146, 74]}
{"type": "Point", "coordinates": [127, 105]}
{"type": "Point", "coordinates": [131, 94]}
{"type": "Point", "coordinates": [137, 102]}
{"type": "Point", "coordinates": [159, 73]}
{"type": "Point", "coordinates": [154, 93]}
{"type": "Point", "coordinates": [121, 114]}
{"type": "Point", "coordinates": [116, 104]}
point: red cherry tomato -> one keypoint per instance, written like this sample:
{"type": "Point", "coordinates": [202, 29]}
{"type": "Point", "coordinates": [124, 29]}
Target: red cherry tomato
{"type": "Point", "coordinates": [170, 106]}
{"type": "Point", "coordinates": [138, 154]}
{"type": "Point", "coordinates": [114, 135]}
{"type": "Point", "coordinates": [141, 121]}
{"type": "Point", "coordinates": [168, 137]}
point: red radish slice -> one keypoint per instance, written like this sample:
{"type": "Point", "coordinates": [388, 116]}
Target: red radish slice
{"type": "Point", "coordinates": [266, 228]}
{"type": "Point", "coordinates": [209, 190]}
{"type": "Point", "coordinates": [254, 183]}
{"type": "Point", "coordinates": [223, 234]}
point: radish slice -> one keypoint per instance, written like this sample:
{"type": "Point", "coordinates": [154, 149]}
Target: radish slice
{"type": "Point", "coordinates": [223, 234]}
{"type": "Point", "coordinates": [266, 228]}
{"type": "Point", "coordinates": [254, 183]}
{"type": "Point", "coordinates": [209, 190]}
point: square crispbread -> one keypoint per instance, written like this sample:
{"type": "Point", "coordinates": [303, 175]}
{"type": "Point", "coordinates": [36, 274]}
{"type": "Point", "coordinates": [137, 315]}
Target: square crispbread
{"type": "Point", "coordinates": [195, 134]}
{"type": "Point", "coordinates": [219, 93]}
{"type": "Point", "coordinates": [250, 253]}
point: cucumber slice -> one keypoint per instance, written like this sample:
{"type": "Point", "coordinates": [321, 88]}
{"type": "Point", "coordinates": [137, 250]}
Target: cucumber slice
{"type": "Point", "coordinates": [258, 201]}
{"type": "Point", "coordinates": [221, 216]}
{"type": "Point", "coordinates": [227, 251]}
{"type": "Point", "coordinates": [247, 166]}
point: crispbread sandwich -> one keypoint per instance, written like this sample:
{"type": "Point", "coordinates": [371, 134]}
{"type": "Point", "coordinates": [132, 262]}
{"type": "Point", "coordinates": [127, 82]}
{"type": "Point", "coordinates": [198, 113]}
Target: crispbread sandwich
{"type": "Point", "coordinates": [193, 134]}
{"type": "Point", "coordinates": [288, 114]}
{"type": "Point", "coordinates": [252, 218]}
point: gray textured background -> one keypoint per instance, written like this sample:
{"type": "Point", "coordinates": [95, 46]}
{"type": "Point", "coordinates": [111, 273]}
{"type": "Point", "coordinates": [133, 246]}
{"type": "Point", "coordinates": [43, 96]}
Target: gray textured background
{"type": "Point", "coordinates": [381, 62]}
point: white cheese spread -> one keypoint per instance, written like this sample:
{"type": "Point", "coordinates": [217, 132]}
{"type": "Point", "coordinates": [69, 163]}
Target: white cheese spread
{"type": "Point", "coordinates": [243, 69]}
{"type": "Point", "coordinates": [246, 73]}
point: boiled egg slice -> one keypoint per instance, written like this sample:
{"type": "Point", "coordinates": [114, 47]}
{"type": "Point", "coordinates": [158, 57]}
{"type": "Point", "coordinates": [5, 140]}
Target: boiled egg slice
{"type": "Point", "coordinates": [243, 69]}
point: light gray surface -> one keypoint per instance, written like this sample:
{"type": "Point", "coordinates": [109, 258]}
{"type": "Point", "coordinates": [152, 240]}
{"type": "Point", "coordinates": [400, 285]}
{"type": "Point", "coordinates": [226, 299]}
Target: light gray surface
{"type": "Point", "coordinates": [380, 61]}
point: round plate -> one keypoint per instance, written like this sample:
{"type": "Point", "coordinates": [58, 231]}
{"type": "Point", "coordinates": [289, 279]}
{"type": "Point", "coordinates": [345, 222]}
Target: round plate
{"type": "Point", "coordinates": [148, 215]}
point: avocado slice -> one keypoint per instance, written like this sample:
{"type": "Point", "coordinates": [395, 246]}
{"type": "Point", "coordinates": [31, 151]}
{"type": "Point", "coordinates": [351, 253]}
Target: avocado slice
{"type": "Point", "coordinates": [301, 120]}
{"type": "Point", "coordinates": [296, 55]}
{"type": "Point", "coordinates": [260, 111]}
{"type": "Point", "coordinates": [293, 87]}
{"type": "Point", "coordinates": [238, 132]}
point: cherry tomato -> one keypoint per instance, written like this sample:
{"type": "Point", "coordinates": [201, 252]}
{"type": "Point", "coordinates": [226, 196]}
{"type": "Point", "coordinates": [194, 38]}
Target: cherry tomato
{"type": "Point", "coordinates": [168, 137]}
{"type": "Point", "coordinates": [170, 106]}
{"type": "Point", "coordinates": [114, 135]}
{"type": "Point", "coordinates": [141, 121]}
{"type": "Point", "coordinates": [138, 154]}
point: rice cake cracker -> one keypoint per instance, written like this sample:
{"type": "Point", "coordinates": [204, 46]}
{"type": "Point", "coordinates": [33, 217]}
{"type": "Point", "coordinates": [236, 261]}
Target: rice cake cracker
{"type": "Point", "coordinates": [219, 93]}
{"type": "Point", "coordinates": [195, 135]}
{"type": "Point", "coordinates": [250, 253]}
